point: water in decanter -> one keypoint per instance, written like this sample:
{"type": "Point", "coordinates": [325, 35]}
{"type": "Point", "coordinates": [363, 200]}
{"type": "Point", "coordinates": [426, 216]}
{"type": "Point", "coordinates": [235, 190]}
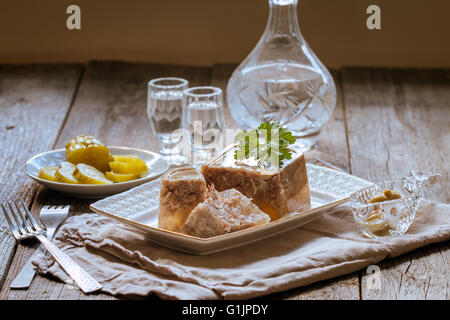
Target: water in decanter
{"type": "Point", "coordinates": [290, 94]}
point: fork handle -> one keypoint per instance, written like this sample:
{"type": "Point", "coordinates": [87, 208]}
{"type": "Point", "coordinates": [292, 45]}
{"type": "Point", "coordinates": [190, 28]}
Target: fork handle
{"type": "Point", "coordinates": [78, 274]}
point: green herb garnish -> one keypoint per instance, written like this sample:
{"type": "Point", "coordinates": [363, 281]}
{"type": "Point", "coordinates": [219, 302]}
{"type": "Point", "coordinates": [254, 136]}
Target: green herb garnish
{"type": "Point", "coordinates": [268, 144]}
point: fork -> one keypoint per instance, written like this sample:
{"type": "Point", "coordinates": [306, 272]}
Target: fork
{"type": "Point", "coordinates": [24, 227]}
{"type": "Point", "coordinates": [51, 217]}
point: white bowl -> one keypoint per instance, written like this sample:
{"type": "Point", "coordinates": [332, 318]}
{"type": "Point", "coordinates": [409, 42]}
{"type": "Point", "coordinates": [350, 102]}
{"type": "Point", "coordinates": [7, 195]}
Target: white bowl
{"type": "Point", "coordinates": [156, 164]}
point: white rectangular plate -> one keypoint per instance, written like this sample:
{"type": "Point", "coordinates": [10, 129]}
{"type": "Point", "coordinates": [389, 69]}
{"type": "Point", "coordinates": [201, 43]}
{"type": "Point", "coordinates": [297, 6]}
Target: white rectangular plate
{"type": "Point", "coordinates": [139, 208]}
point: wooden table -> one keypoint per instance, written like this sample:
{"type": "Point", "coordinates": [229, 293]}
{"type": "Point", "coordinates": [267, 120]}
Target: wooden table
{"type": "Point", "coordinates": [387, 121]}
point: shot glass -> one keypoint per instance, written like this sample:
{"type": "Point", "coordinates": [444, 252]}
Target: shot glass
{"type": "Point", "coordinates": [165, 112]}
{"type": "Point", "coordinates": [204, 119]}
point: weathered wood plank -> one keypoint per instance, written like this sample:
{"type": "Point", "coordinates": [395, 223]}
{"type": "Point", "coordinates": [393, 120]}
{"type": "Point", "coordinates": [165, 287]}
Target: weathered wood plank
{"type": "Point", "coordinates": [444, 249]}
{"type": "Point", "coordinates": [34, 100]}
{"type": "Point", "coordinates": [331, 148]}
{"type": "Point", "coordinates": [419, 275]}
{"type": "Point", "coordinates": [423, 97]}
{"type": "Point", "coordinates": [341, 288]}
{"type": "Point", "coordinates": [7, 250]}
{"type": "Point", "coordinates": [110, 104]}
{"type": "Point", "coordinates": [399, 120]}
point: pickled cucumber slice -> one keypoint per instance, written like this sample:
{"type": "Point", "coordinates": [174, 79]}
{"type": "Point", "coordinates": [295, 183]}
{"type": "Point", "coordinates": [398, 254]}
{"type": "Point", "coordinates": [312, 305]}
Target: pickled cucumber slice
{"type": "Point", "coordinates": [48, 173]}
{"type": "Point", "coordinates": [131, 158]}
{"type": "Point", "coordinates": [128, 167]}
{"type": "Point", "coordinates": [121, 177]}
{"type": "Point", "coordinates": [126, 158]}
{"type": "Point", "coordinates": [87, 174]}
{"type": "Point", "coordinates": [88, 150]}
{"type": "Point", "coordinates": [65, 173]}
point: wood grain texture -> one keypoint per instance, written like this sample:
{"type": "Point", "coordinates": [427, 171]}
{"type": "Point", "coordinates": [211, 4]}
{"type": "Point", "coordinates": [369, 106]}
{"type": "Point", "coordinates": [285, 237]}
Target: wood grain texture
{"type": "Point", "coordinates": [34, 100]}
{"type": "Point", "coordinates": [341, 288]}
{"type": "Point", "coordinates": [398, 120]}
{"type": "Point", "coordinates": [423, 99]}
{"type": "Point", "coordinates": [7, 250]}
{"type": "Point", "coordinates": [420, 275]}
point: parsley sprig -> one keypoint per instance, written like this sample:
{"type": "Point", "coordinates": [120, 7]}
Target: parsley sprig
{"type": "Point", "coordinates": [268, 144]}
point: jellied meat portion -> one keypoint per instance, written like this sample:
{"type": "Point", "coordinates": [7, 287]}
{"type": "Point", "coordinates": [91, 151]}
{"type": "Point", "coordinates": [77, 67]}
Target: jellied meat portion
{"type": "Point", "coordinates": [223, 212]}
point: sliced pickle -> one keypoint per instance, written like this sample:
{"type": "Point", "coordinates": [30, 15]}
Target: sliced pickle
{"type": "Point", "coordinates": [127, 158]}
{"type": "Point", "coordinates": [128, 167]}
{"type": "Point", "coordinates": [121, 177]}
{"type": "Point", "coordinates": [87, 174]}
{"type": "Point", "coordinates": [65, 173]}
{"type": "Point", "coordinates": [48, 173]}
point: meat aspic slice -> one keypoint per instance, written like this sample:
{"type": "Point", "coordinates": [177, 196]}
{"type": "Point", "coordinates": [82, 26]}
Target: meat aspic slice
{"type": "Point", "coordinates": [181, 190]}
{"type": "Point", "coordinates": [223, 212]}
{"type": "Point", "coordinates": [275, 191]}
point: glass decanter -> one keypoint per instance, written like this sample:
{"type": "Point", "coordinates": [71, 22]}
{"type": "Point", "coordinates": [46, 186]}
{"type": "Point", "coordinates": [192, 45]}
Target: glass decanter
{"type": "Point", "coordinates": [283, 81]}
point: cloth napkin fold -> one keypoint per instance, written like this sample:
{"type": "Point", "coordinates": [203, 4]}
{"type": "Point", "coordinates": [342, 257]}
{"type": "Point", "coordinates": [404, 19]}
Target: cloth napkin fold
{"type": "Point", "coordinates": [128, 265]}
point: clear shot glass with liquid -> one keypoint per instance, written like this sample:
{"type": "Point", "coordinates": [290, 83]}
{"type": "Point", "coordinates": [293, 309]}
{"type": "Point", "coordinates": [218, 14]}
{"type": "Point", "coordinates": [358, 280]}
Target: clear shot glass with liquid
{"type": "Point", "coordinates": [204, 119]}
{"type": "Point", "coordinates": [165, 112]}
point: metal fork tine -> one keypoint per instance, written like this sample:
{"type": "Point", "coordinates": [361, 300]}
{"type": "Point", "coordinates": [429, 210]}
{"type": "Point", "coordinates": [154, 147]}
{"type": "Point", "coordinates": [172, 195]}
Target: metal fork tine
{"type": "Point", "coordinates": [25, 224]}
{"type": "Point", "coordinates": [19, 226]}
{"type": "Point", "coordinates": [46, 207]}
{"type": "Point", "coordinates": [11, 225]}
{"type": "Point", "coordinates": [30, 216]}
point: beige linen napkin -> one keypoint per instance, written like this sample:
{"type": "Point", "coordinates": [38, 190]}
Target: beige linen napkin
{"type": "Point", "coordinates": [328, 247]}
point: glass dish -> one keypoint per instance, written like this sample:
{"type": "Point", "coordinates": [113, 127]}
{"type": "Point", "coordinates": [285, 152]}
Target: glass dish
{"type": "Point", "coordinates": [391, 217]}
